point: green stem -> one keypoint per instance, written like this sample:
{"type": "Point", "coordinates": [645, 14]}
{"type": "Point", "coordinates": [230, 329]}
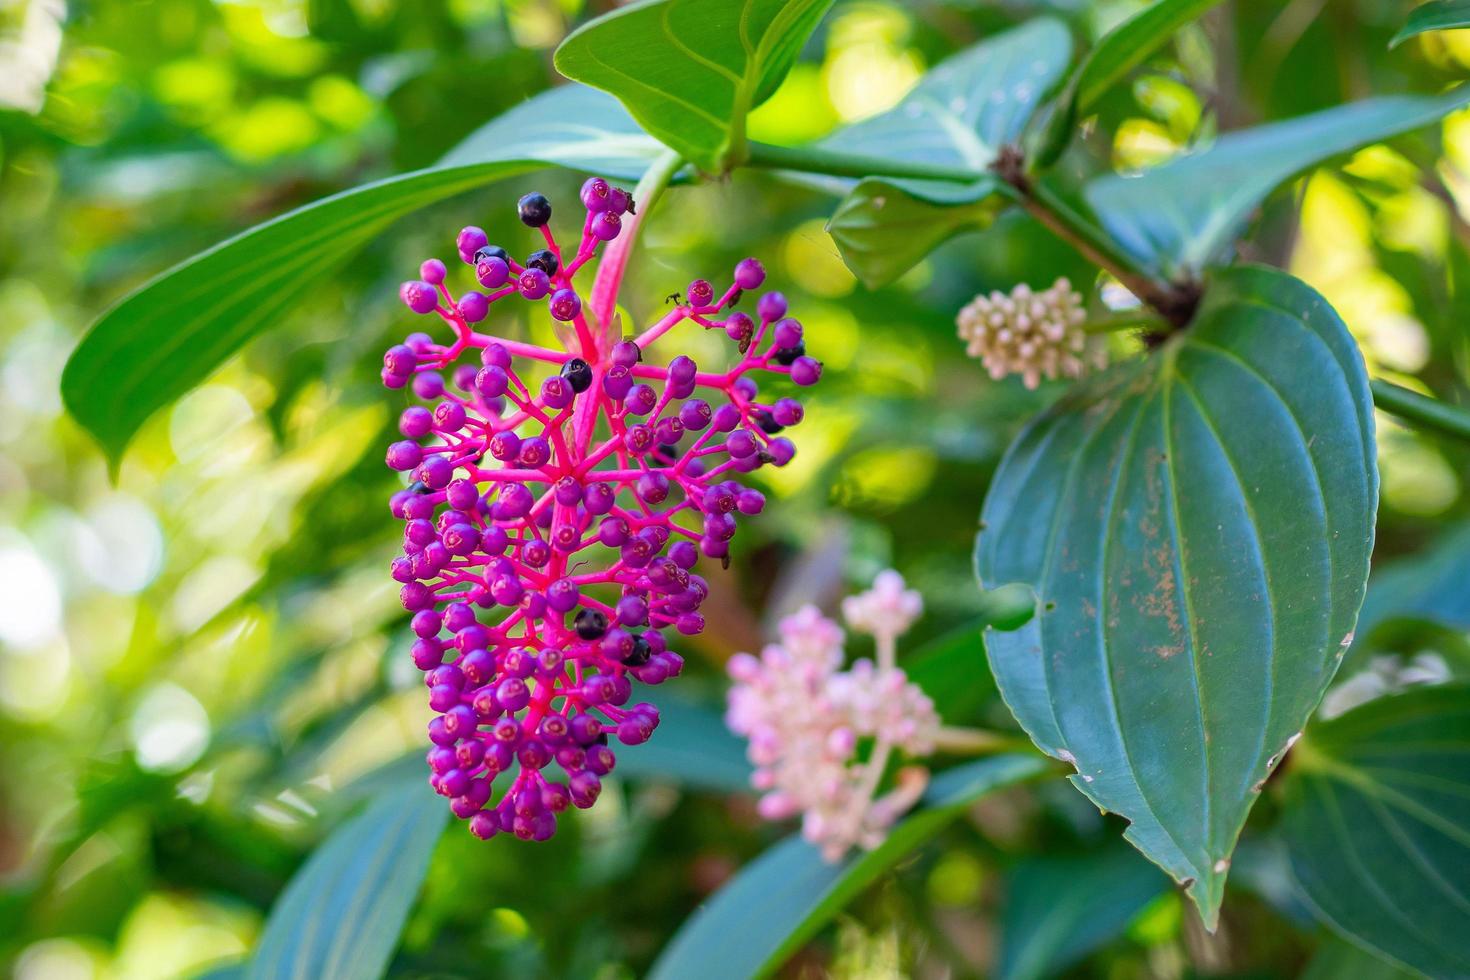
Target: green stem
{"type": "Point", "coordinates": [1421, 410]}
{"type": "Point", "coordinates": [1134, 319]}
{"type": "Point", "coordinates": [833, 163]}
{"type": "Point", "coordinates": [977, 741]}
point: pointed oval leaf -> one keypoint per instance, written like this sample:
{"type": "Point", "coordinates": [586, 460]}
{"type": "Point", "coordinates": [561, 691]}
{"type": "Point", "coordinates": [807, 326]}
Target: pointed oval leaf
{"type": "Point", "coordinates": [781, 899]}
{"type": "Point", "coordinates": [1377, 823]}
{"type": "Point", "coordinates": [883, 231]}
{"type": "Point", "coordinates": [1436, 15]}
{"type": "Point", "coordinates": [169, 335]}
{"type": "Point", "coordinates": [1182, 216]}
{"type": "Point", "coordinates": [961, 114]}
{"type": "Point", "coordinates": [1197, 526]}
{"type": "Point", "coordinates": [691, 70]}
{"type": "Point", "coordinates": [342, 912]}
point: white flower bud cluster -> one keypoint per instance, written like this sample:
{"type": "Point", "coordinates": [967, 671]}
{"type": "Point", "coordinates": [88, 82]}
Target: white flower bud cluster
{"type": "Point", "coordinates": [807, 721]}
{"type": "Point", "coordinates": [1034, 334]}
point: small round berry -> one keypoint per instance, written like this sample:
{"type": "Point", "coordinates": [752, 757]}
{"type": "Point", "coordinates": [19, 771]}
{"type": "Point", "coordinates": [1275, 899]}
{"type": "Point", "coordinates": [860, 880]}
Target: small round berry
{"type": "Point", "coordinates": [563, 595]}
{"type": "Point", "coordinates": [787, 333]}
{"type": "Point", "coordinates": [568, 491]}
{"type": "Point", "coordinates": [620, 201]}
{"type": "Point", "coordinates": [626, 353]}
{"type": "Point", "coordinates": [701, 293]}
{"type": "Point", "coordinates": [577, 372]}
{"type": "Point", "coordinates": [428, 384]}
{"type": "Point", "coordinates": [391, 380]}
{"type": "Point", "coordinates": [436, 471]}
{"type": "Point", "coordinates": [752, 501]}
{"type": "Point", "coordinates": [449, 416]}
{"type": "Point", "coordinates": [595, 194]}
{"type": "Point", "coordinates": [599, 499]}
{"type": "Point", "coordinates": [556, 393]}
{"type": "Point", "coordinates": [590, 624]}
{"type": "Point", "coordinates": [771, 306]}
{"type": "Point", "coordinates": [787, 411]}
{"type": "Point", "coordinates": [788, 355]}
{"type": "Point", "coordinates": [533, 283]}
{"type": "Point", "coordinates": [404, 455]}
{"type": "Point", "coordinates": [534, 209]}
{"type": "Point", "coordinates": [726, 417]}
{"type": "Point", "coordinates": [617, 382]}
{"type": "Point", "coordinates": [565, 304]}
{"type": "Point", "coordinates": [464, 377]}
{"type": "Point", "coordinates": [606, 226]}
{"type": "Point", "coordinates": [806, 371]}
{"type": "Point", "coordinates": [535, 451]}
{"type": "Point", "coordinates": [492, 272]}
{"type": "Point", "coordinates": [653, 487]}
{"type": "Point", "coordinates": [543, 259]}
{"type": "Point", "coordinates": [400, 359]}
{"type": "Point", "coordinates": [739, 327]}
{"type": "Point", "coordinates": [415, 422]}
{"type": "Point", "coordinates": [491, 381]}
{"type": "Point", "coordinates": [473, 306]}
{"type": "Point", "coordinates": [695, 414]}
{"type": "Point", "coordinates": [433, 272]}
{"type": "Point", "coordinates": [741, 443]}
{"type": "Point", "coordinates": [462, 494]}
{"type": "Point", "coordinates": [513, 503]}
{"type": "Point", "coordinates": [505, 446]}
{"type": "Point", "coordinates": [641, 399]}
{"type": "Point", "coordinates": [471, 239]}
{"type": "Point", "coordinates": [749, 274]}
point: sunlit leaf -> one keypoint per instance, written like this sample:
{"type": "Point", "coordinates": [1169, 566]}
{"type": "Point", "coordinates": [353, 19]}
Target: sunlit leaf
{"type": "Point", "coordinates": [780, 900]}
{"type": "Point", "coordinates": [168, 336]}
{"type": "Point", "coordinates": [341, 914]}
{"type": "Point", "coordinates": [1376, 822]}
{"type": "Point", "coordinates": [1436, 15]}
{"type": "Point", "coordinates": [1197, 526]}
{"type": "Point", "coordinates": [961, 114]}
{"type": "Point", "coordinates": [1184, 215]}
{"type": "Point", "coordinates": [691, 70]}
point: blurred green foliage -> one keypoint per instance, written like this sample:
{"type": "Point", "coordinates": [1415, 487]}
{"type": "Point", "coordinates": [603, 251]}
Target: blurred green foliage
{"type": "Point", "coordinates": [202, 665]}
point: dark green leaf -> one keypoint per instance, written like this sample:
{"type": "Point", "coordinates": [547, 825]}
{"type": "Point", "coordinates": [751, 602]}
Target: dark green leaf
{"type": "Point", "coordinates": [1377, 821]}
{"type": "Point", "coordinates": [1336, 960]}
{"type": "Point", "coordinates": [690, 70]}
{"type": "Point", "coordinates": [883, 231]}
{"type": "Point", "coordinates": [341, 914]}
{"type": "Point", "coordinates": [1182, 216]}
{"type": "Point", "coordinates": [780, 900]}
{"type": "Point", "coordinates": [168, 336]}
{"type": "Point", "coordinates": [1436, 15]}
{"type": "Point", "coordinates": [1197, 526]}
{"type": "Point", "coordinates": [1060, 909]}
{"type": "Point", "coordinates": [961, 114]}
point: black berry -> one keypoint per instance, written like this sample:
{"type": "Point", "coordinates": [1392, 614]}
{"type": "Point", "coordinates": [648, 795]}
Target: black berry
{"type": "Point", "coordinates": [578, 374]}
{"type": "Point", "coordinates": [789, 354]}
{"type": "Point", "coordinates": [535, 210]}
{"type": "Point", "coordinates": [542, 259]}
{"type": "Point", "coordinates": [590, 624]}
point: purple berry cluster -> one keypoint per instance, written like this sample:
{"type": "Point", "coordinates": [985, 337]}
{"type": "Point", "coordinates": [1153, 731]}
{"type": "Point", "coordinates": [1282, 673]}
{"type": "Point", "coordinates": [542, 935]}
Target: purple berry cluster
{"type": "Point", "coordinates": [558, 503]}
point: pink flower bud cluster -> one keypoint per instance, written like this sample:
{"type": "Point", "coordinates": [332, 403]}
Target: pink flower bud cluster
{"type": "Point", "coordinates": [558, 503]}
{"type": "Point", "coordinates": [820, 736]}
{"type": "Point", "coordinates": [1034, 334]}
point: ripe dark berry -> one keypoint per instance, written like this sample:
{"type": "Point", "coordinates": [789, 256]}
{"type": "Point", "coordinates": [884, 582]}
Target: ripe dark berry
{"type": "Point", "coordinates": [578, 374]}
{"type": "Point", "coordinates": [788, 355]}
{"type": "Point", "coordinates": [768, 424]}
{"type": "Point", "coordinates": [534, 209]}
{"type": "Point", "coordinates": [544, 260]}
{"type": "Point", "coordinates": [491, 252]}
{"type": "Point", "coordinates": [640, 653]}
{"type": "Point", "coordinates": [590, 624]}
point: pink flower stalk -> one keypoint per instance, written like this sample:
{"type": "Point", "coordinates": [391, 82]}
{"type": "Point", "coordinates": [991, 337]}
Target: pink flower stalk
{"type": "Point", "coordinates": [559, 501]}
{"type": "Point", "coordinates": [806, 719]}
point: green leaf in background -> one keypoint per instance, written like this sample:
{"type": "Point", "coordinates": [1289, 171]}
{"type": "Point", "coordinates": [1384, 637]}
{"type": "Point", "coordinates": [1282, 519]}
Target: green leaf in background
{"type": "Point", "coordinates": [1129, 44]}
{"type": "Point", "coordinates": [1059, 909]}
{"type": "Point", "coordinates": [883, 231]}
{"type": "Point", "coordinates": [1436, 15]}
{"type": "Point", "coordinates": [1429, 587]}
{"type": "Point", "coordinates": [1197, 526]}
{"type": "Point", "coordinates": [341, 914]}
{"type": "Point", "coordinates": [169, 335]}
{"type": "Point", "coordinates": [781, 899]}
{"type": "Point", "coordinates": [1377, 821]}
{"type": "Point", "coordinates": [1184, 215]}
{"type": "Point", "coordinates": [1116, 54]}
{"type": "Point", "coordinates": [961, 114]}
{"type": "Point", "coordinates": [692, 748]}
{"type": "Point", "coordinates": [1338, 960]}
{"type": "Point", "coordinates": [691, 70]}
